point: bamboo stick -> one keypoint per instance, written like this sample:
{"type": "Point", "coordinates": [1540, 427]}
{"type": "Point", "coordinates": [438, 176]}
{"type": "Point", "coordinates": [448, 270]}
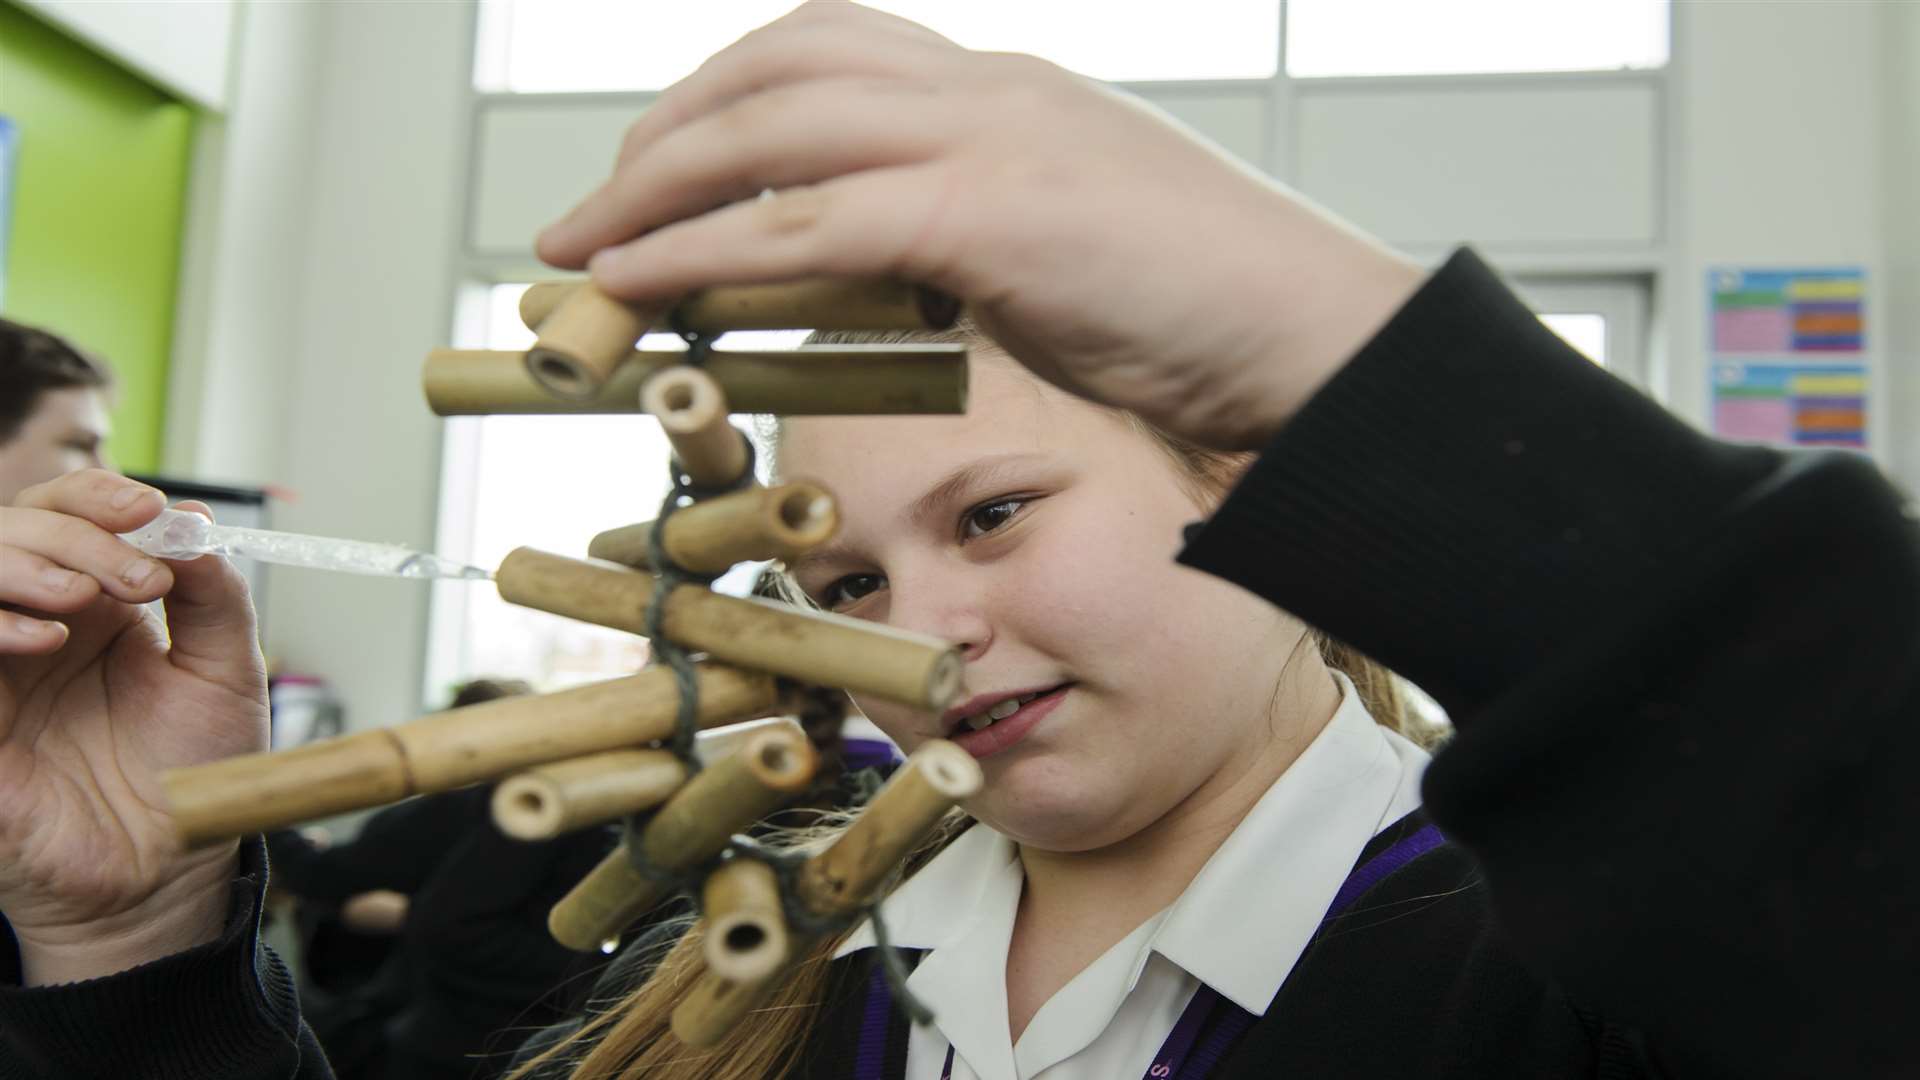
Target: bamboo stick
{"type": "Point", "coordinates": [809, 304]}
{"type": "Point", "coordinates": [255, 792]}
{"type": "Point", "coordinates": [712, 744]}
{"type": "Point", "coordinates": [692, 410]}
{"type": "Point", "coordinates": [746, 939]}
{"type": "Point", "coordinates": [689, 829]}
{"type": "Point", "coordinates": [713, 534]}
{"type": "Point", "coordinates": [584, 338]}
{"type": "Point", "coordinates": [840, 880]}
{"type": "Point", "coordinates": [834, 380]}
{"type": "Point", "coordinates": [545, 801]}
{"type": "Point", "coordinates": [548, 800]}
{"type": "Point", "coordinates": [814, 647]}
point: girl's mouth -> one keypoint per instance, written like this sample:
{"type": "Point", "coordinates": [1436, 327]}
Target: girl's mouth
{"type": "Point", "coordinates": [991, 730]}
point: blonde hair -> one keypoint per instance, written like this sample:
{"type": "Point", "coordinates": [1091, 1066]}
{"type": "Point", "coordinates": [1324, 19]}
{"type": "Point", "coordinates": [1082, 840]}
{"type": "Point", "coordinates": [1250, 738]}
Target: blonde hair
{"type": "Point", "coordinates": [631, 1040]}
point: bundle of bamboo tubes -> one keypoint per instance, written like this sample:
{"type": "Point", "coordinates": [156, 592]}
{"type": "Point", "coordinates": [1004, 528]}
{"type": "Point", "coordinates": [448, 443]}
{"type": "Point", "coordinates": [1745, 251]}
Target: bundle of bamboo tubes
{"type": "Point", "coordinates": [605, 752]}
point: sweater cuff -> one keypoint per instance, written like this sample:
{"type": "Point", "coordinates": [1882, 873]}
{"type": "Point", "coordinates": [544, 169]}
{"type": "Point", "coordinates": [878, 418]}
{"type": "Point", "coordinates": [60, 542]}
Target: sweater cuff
{"type": "Point", "coordinates": [223, 1009]}
{"type": "Point", "coordinates": [1468, 494]}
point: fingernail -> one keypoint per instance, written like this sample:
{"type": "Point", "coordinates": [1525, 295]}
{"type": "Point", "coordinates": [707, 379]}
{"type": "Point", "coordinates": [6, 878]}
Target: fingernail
{"type": "Point", "coordinates": [127, 496]}
{"type": "Point", "coordinates": [138, 571]}
{"type": "Point", "coordinates": [57, 580]}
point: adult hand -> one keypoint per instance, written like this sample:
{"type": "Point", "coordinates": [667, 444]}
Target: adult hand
{"type": "Point", "coordinates": [97, 699]}
{"type": "Point", "coordinates": [1104, 246]}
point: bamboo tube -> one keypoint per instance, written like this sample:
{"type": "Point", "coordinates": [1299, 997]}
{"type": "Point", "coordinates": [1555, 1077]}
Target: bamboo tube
{"type": "Point", "coordinates": [584, 338]}
{"type": "Point", "coordinates": [840, 880]}
{"type": "Point", "coordinates": [255, 792]}
{"type": "Point", "coordinates": [691, 828]}
{"type": "Point", "coordinates": [692, 410]}
{"type": "Point", "coordinates": [746, 938]}
{"type": "Point", "coordinates": [715, 743]}
{"type": "Point", "coordinates": [713, 534]}
{"type": "Point", "coordinates": [544, 802]}
{"type": "Point", "coordinates": [548, 800]}
{"type": "Point", "coordinates": [809, 304]}
{"type": "Point", "coordinates": [834, 380]}
{"type": "Point", "coordinates": [814, 647]}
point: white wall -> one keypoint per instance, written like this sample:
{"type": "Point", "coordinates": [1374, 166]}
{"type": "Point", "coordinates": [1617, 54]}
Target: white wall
{"type": "Point", "coordinates": [1900, 62]}
{"type": "Point", "coordinates": [183, 46]}
{"type": "Point", "coordinates": [361, 449]}
{"type": "Point", "coordinates": [318, 273]}
{"type": "Point", "coordinates": [242, 294]}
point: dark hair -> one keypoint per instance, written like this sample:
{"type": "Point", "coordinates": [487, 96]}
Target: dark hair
{"type": "Point", "coordinates": [33, 362]}
{"type": "Point", "coordinates": [479, 690]}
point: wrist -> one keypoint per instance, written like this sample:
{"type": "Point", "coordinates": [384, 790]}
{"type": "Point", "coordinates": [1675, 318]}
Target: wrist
{"type": "Point", "coordinates": [188, 911]}
{"type": "Point", "coordinates": [1340, 289]}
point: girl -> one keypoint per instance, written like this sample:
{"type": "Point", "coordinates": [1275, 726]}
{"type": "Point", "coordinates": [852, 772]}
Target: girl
{"type": "Point", "coordinates": [1129, 713]}
{"type": "Point", "coordinates": [1680, 670]}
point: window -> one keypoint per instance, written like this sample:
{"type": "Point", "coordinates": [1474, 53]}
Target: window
{"type": "Point", "coordinates": [1584, 330]}
{"type": "Point", "coordinates": [1604, 318]}
{"type": "Point", "coordinates": [549, 482]}
{"type": "Point", "coordinates": [548, 46]}
{"type": "Point", "coordinates": [1422, 37]}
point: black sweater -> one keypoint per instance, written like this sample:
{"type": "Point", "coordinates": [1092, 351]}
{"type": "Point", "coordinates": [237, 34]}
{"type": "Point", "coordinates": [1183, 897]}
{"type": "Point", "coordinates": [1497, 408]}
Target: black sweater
{"type": "Point", "coordinates": [1683, 673]}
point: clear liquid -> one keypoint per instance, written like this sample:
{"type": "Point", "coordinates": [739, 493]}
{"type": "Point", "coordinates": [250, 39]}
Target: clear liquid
{"type": "Point", "coordinates": [327, 553]}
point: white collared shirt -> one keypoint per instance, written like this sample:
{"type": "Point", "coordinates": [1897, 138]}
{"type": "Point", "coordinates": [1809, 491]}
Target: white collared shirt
{"type": "Point", "coordinates": [1239, 926]}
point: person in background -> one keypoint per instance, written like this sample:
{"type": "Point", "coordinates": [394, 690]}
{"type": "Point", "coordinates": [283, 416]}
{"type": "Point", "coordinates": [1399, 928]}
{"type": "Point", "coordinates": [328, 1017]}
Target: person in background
{"type": "Point", "coordinates": [471, 955]}
{"type": "Point", "coordinates": [53, 409]}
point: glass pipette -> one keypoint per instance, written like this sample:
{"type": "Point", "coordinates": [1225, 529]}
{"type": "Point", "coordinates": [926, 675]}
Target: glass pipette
{"type": "Point", "coordinates": [180, 534]}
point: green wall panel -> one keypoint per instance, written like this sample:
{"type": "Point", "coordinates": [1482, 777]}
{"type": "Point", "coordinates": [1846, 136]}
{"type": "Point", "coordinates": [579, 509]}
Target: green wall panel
{"type": "Point", "coordinates": [99, 204]}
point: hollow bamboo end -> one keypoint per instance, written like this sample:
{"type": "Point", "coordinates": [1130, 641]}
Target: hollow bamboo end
{"type": "Point", "coordinates": [944, 680]}
{"type": "Point", "coordinates": [584, 339]}
{"type": "Point", "coordinates": [782, 759]}
{"type": "Point", "coordinates": [527, 808]}
{"type": "Point", "coordinates": [686, 400]}
{"type": "Point", "coordinates": [806, 515]}
{"type": "Point", "coordinates": [746, 946]}
{"type": "Point", "coordinates": [692, 410]}
{"type": "Point", "coordinates": [949, 770]}
{"type": "Point", "coordinates": [561, 374]}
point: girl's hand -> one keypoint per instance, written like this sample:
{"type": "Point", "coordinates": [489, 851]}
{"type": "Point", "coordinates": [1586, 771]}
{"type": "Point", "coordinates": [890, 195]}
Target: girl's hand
{"type": "Point", "coordinates": [1105, 247]}
{"type": "Point", "coordinates": [97, 698]}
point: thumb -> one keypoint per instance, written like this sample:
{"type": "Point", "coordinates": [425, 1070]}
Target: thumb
{"type": "Point", "coordinates": [210, 621]}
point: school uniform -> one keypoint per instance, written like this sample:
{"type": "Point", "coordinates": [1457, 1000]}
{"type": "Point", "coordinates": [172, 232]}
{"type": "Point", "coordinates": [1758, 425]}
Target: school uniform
{"type": "Point", "coordinates": [1238, 928]}
{"type": "Point", "coordinates": [1677, 811]}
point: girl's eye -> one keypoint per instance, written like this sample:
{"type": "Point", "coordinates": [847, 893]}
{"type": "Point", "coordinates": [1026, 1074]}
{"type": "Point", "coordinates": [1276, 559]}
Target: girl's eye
{"type": "Point", "coordinates": [850, 589]}
{"type": "Point", "coordinates": [982, 520]}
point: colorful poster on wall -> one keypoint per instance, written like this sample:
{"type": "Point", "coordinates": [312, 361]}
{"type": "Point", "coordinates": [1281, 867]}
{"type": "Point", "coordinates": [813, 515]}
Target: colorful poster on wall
{"type": "Point", "coordinates": [9, 149]}
{"type": "Point", "coordinates": [1790, 404]}
{"type": "Point", "coordinates": [1788, 359]}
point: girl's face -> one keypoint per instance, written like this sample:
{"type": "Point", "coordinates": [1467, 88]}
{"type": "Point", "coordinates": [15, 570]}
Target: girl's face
{"type": "Point", "coordinates": [1037, 533]}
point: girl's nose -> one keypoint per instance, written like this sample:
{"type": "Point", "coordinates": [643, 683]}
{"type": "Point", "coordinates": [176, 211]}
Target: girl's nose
{"type": "Point", "coordinates": [944, 611]}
